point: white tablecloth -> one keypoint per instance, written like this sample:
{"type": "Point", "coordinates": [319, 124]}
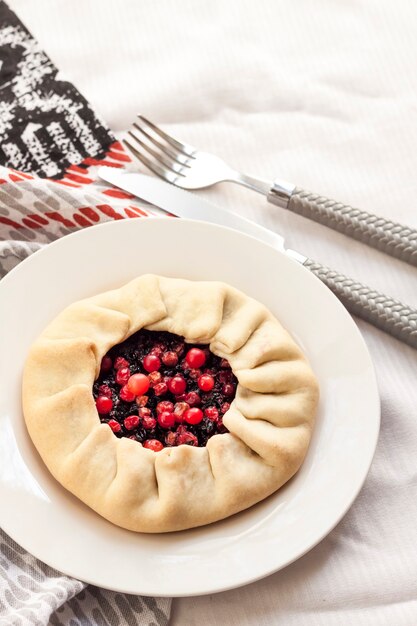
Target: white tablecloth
{"type": "Point", "coordinates": [323, 94]}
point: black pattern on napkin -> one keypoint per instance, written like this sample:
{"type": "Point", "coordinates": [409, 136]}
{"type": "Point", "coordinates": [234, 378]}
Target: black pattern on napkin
{"type": "Point", "coordinates": [45, 123]}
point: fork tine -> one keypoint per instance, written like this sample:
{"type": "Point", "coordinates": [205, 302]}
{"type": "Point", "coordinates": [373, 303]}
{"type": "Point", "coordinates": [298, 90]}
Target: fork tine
{"type": "Point", "coordinates": [154, 167]}
{"type": "Point", "coordinates": [174, 154]}
{"type": "Point", "coordinates": [159, 157]}
{"type": "Point", "coordinates": [182, 147]}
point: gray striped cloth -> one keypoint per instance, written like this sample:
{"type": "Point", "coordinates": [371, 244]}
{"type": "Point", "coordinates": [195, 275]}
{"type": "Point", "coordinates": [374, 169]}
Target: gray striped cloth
{"type": "Point", "coordinates": [34, 594]}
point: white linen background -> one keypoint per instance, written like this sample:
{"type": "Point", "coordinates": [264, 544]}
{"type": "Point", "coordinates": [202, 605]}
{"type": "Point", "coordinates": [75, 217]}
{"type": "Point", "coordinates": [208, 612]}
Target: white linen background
{"type": "Point", "coordinates": [324, 94]}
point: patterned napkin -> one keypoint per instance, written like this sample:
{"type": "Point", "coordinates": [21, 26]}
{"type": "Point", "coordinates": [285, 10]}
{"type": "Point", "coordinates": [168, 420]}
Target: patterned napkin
{"type": "Point", "coordinates": [51, 143]}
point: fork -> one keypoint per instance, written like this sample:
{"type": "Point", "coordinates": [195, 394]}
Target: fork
{"type": "Point", "coordinates": [183, 165]}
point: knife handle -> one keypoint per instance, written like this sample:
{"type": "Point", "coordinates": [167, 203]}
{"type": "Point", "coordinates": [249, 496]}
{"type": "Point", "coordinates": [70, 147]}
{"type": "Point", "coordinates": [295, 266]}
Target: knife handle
{"type": "Point", "coordinates": [391, 316]}
{"type": "Point", "coordinates": [394, 239]}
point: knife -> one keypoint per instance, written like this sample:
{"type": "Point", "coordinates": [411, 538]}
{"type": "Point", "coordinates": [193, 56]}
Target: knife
{"type": "Point", "coordinates": [387, 314]}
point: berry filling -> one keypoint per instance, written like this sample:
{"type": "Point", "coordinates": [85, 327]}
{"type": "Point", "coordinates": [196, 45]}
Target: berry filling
{"type": "Point", "coordinates": [158, 390]}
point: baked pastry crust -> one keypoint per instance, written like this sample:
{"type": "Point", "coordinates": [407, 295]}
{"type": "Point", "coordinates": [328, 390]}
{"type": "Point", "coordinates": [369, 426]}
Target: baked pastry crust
{"type": "Point", "coordinates": [270, 420]}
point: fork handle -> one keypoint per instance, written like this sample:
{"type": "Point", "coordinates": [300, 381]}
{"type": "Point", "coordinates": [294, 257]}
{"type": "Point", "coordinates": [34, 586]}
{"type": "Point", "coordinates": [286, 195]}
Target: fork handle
{"type": "Point", "coordinates": [387, 314]}
{"type": "Point", "coordinates": [394, 239]}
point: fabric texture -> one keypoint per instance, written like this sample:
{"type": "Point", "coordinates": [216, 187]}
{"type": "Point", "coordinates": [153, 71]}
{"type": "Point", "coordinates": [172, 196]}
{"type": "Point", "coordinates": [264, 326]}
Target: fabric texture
{"type": "Point", "coordinates": [322, 94]}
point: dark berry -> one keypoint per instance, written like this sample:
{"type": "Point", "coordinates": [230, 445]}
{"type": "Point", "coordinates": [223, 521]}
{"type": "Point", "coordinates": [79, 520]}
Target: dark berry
{"type": "Point", "coordinates": [157, 349]}
{"type": "Point", "coordinates": [194, 374]}
{"type": "Point", "coordinates": [228, 389]}
{"type": "Point", "coordinates": [106, 364]}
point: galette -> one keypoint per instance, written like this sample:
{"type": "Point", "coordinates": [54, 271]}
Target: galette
{"type": "Point", "coordinates": [167, 404]}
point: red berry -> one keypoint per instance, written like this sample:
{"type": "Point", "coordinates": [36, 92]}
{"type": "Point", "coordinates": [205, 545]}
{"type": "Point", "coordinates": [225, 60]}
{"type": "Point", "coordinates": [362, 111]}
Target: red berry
{"type": "Point", "coordinates": [187, 438]}
{"type": "Point", "coordinates": [166, 419]}
{"type": "Point", "coordinates": [193, 416]}
{"type": "Point", "coordinates": [177, 385]}
{"type": "Point", "coordinates": [212, 413]}
{"type": "Point", "coordinates": [104, 405]}
{"type": "Point", "coordinates": [225, 407]}
{"type": "Point", "coordinates": [228, 389]}
{"type": "Point", "coordinates": [165, 405]}
{"type": "Point", "coordinates": [142, 400]}
{"type": "Point", "coordinates": [195, 358]}
{"type": "Point", "coordinates": [151, 363]}
{"type": "Point", "coordinates": [170, 359]}
{"type": "Point", "coordinates": [126, 395]}
{"type": "Point", "coordinates": [160, 389]}
{"type": "Point", "coordinates": [122, 375]}
{"type": "Point", "coordinates": [149, 423]}
{"type": "Point", "coordinates": [206, 382]}
{"type": "Point", "coordinates": [179, 410]}
{"type": "Point", "coordinates": [115, 426]}
{"type": "Point", "coordinates": [104, 390]}
{"type": "Point", "coordinates": [144, 411]}
{"type": "Point", "coordinates": [120, 362]}
{"type": "Point", "coordinates": [153, 444]}
{"type": "Point", "coordinates": [138, 384]}
{"type": "Point", "coordinates": [106, 364]}
{"type": "Point", "coordinates": [192, 398]}
{"type": "Point", "coordinates": [154, 378]}
{"type": "Point", "coordinates": [225, 376]}
{"type": "Point", "coordinates": [171, 438]}
{"type": "Point", "coordinates": [131, 422]}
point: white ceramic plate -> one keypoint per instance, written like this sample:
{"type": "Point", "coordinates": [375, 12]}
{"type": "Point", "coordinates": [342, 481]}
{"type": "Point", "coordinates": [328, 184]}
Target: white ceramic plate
{"type": "Point", "coordinates": [58, 529]}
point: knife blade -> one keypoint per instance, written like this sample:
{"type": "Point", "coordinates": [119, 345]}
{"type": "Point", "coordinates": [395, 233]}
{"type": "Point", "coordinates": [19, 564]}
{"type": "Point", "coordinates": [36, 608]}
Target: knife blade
{"type": "Point", "coordinates": [384, 312]}
{"type": "Point", "coordinates": [186, 204]}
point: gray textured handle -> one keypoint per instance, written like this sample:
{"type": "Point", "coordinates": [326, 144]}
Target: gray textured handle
{"type": "Point", "coordinates": [395, 239]}
{"type": "Point", "coordinates": [384, 312]}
